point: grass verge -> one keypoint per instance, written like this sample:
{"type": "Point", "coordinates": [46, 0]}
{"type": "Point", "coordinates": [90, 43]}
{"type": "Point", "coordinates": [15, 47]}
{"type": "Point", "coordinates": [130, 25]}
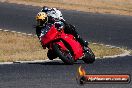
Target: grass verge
{"type": "Point", "coordinates": [122, 7]}
{"type": "Point", "coordinates": [14, 47]}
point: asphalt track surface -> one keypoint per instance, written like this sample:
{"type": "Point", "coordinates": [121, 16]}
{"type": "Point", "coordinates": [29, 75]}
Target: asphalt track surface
{"type": "Point", "coordinates": [108, 29]}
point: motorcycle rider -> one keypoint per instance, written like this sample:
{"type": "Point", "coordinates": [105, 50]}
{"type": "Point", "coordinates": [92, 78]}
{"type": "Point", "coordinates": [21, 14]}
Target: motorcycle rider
{"type": "Point", "coordinates": [43, 24]}
{"type": "Point", "coordinates": [53, 13]}
{"type": "Point", "coordinates": [54, 16]}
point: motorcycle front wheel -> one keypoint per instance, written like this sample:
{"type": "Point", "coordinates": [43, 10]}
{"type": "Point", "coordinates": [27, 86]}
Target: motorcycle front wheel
{"type": "Point", "coordinates": [89, 56]}
{"type": "Point", "coordinates": [64, 55]}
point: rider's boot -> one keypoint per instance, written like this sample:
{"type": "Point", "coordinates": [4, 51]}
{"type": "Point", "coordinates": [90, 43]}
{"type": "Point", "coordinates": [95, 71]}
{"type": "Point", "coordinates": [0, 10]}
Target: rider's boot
{"type": "Point", "coordinates": [82, 42]}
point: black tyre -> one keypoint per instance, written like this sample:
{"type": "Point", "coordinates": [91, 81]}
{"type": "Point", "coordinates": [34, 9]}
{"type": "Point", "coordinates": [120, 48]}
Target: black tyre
{"type": "Point", "coordinates": [89, 57]}
{"type": "Point", "coordinates": [51, 54]}
{"type": "Point", "coordinates": [65, 56]}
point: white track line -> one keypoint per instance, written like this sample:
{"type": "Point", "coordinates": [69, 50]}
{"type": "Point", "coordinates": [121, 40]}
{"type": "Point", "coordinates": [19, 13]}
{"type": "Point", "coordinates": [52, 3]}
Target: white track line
{"type": "Point", "coordinates": [17, 32]}
{"type": "Point", "coordinates": [30, 62]}
{"type": "Point", "coordinates": [126, 53]}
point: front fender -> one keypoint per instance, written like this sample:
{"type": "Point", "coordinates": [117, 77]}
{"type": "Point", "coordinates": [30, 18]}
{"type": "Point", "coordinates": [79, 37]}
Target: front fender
{"type": "Point", "coordinates": [61, 44]}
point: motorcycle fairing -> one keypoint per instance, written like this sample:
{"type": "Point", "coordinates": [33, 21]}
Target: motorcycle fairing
{"type": "Point", "coordinates": [53, 35]}
{"type": "Point", "coordinates": [49, 36]}
{"type": "Point", "coordinates": [78, 52]}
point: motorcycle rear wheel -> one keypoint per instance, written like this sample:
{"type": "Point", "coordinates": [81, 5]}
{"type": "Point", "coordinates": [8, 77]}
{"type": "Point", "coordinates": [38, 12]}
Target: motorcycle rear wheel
{"type": "Point", "coordinates": [64, 55]}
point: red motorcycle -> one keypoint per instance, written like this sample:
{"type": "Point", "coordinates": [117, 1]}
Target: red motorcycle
{"type": "Point", "coordinates": [64, 46]}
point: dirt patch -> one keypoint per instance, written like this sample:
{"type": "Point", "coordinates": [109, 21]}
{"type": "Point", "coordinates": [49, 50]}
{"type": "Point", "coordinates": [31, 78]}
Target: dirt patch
{"type": "Point", "coordinates": [122, 7]}
{"type": "Point", "coordinates": [19, 47]}
{"type": "Point", "coordinates": [15, 46]}
{"type": "Point", "coordinates": [130, 52]}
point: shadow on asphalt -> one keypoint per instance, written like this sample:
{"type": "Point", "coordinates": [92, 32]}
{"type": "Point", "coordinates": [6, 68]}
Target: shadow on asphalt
{"type": "Point", "coordinates": [56, 63]}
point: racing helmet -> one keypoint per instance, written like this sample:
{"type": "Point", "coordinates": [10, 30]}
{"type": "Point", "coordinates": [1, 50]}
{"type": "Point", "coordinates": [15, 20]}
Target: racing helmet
{"type": "Point", "coordinates": [41, 18]}
{"type": "Point", "coordinates": [45, 9]}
